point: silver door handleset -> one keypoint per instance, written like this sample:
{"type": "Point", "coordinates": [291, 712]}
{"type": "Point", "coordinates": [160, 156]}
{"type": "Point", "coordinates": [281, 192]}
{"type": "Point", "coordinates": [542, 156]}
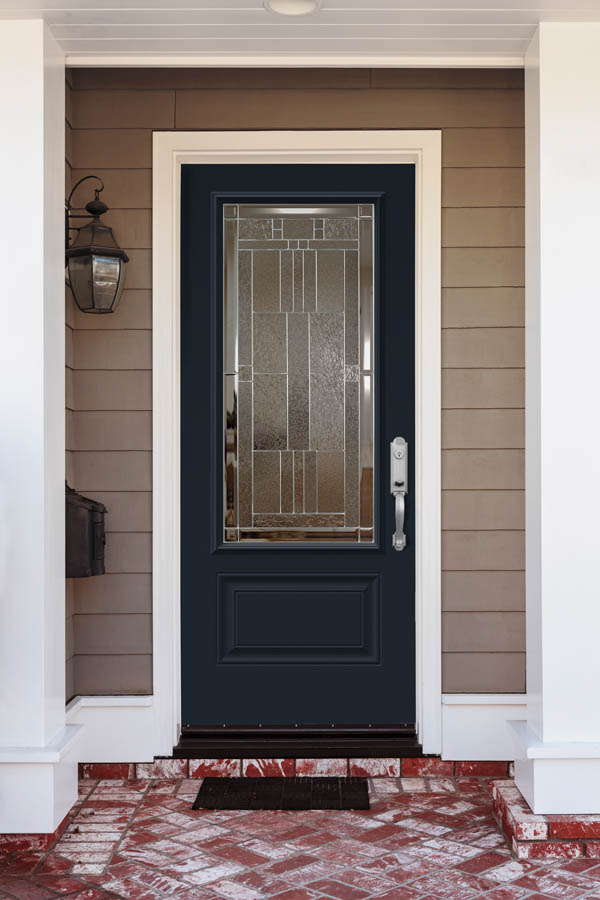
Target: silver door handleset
{"type": "Point", "coordinates": [398, 487]}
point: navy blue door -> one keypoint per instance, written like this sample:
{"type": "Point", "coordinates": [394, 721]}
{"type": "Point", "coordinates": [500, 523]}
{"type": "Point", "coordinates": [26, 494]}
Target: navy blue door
{"type": "Point", "coordinates": [297, 370]}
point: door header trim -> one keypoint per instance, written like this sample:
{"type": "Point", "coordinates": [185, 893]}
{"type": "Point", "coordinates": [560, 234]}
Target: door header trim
{"type": "Point", "coordinates": [173, 149]}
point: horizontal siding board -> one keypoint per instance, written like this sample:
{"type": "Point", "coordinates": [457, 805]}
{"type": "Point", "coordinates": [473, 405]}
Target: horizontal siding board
{"type": "Point", "coordinates": [483, 388]}
{"type": "Point", "coordinates": [70, 468]}
{"type": "Point", "coordinates": [473, 550]}
{"type": "Point", "coordinates": [70, 596]}
{"type": "Point", "coordinates": [128, 552]}
{"type": "Point", "coordinates": [113, 349]}
{"type": "Point", "coordinates": [123, 188]}
{"type": "Point", "coordinates": [134, 309]}
{"type": "Point", "coordinates": [480, 632]}
{"type": "Point", "coordinates": [70, 442]}
{"type": "Point", "coordinates": [111, 149]}
{"type": "Point", "coordinates": [69, 679]}
{"type": "Point", "coordinates": [483, 267]}
{"type": "Point", "coordinates": [483, 348]}
{"type": "Point", "coordinates": [70, 308]}
{"type": "Point", "coordinates": [127, 510]}
{"type": "Point", "coordinates": [114, 593]}
{"type": "Point", "coordinates": [69, 638]}
{"type": "Point", "coordinates": [68, 346]}
{"type": "Point", "coordinates": [240, 109]}
{"type": "Point", "coordinates": [483, 673]}
{"type": "Point", "coordinates": [113, 633]}
{"type": "Point", "coordinates": [113, 430]}
{"type": "Point", "coordinates": [483, 227]}
{"type": "Point", "coordinates": [220, 78]}
{"type": "Point", "coordinates": [126, 674]}
{"type": "Point", "coordinates": [69, 104]}
{"type": "Point", "coordinates": [132, 228]}
{"type": "Point", "coordinates": [479, 307]}
{"type": "Point", "coordinates": [69, 393]}
{"type": "Point", "coordinates": [138, 274]}
{"type": "Point", "coordinates": [116, 390]}
{"type": "Point", "coordinates": [483, 591]}
{"type": "Point", "coordinates": [69, 151]}
{"type": "Point", "coordinates": [485, 187]}
{"type": "Point", "coordinates": [135, 109]}
{"type": "Point", "coordinates": [483, 469]}
{"type": "Point", "coordinates": [483, 147]}
{"type": "Point", "coordinates": [491, 428]}
{"type": "Point", "coordinates": [114, 471]}
{"type": "Point", "coordinates": [483, 510]}
{"type": "Point", "coordinates": [448, 79]}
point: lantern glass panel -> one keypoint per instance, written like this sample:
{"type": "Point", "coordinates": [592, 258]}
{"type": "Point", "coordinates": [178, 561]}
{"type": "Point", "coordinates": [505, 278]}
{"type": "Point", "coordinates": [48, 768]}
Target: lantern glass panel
{"type": "Point", "coordinates": [80, 279]}
{"type": "Point", "coordinates": [106, 275]}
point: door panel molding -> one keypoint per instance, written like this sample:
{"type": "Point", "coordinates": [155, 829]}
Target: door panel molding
{"type": "Point", "coordinates": [253, 626]}
{"type": "Point", "coordinates": [170, 151]}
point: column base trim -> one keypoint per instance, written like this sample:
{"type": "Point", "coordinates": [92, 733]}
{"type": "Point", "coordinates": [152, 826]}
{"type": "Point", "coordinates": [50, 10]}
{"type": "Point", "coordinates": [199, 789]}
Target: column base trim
{"type": "Point", "coordinates": [38, 786]}
{"type": "Point", "coordinates": [556, 778]}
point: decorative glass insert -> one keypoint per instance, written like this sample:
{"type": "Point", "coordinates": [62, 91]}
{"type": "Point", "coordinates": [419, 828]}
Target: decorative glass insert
{"type": "Point", "coordinates": [298, 332]}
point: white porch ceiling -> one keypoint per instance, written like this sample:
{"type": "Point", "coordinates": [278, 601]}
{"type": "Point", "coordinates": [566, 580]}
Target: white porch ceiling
{"type": "Point", "coordinates": [239, 32]}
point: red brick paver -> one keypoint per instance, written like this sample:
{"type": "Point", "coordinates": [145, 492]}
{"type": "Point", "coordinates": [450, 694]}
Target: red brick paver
{"type": "Point", "coordinates": [430, 837]}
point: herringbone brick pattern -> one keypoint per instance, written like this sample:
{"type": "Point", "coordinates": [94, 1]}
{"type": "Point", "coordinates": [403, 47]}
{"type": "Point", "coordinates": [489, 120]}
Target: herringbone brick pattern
{"type": "Point", "coordinates": [428, 837]}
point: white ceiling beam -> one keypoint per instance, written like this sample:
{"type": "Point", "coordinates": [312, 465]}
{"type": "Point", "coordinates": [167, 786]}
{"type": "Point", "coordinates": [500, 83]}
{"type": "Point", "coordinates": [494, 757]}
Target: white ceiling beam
{"type": "Point", "coordinates": [330, 34]}
{"type": "Point", "coordinates": [327, 47]}
{"type": "Point", "coordinates": [350, 61]}
{"type": "Point", "coordinates": [259, 17]}
{"type": "Point", "coordinates": [537, 9]}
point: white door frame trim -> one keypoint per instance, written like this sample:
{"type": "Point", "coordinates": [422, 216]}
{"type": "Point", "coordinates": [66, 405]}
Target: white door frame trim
{"type": "Point", "coordinates": [171, 150]}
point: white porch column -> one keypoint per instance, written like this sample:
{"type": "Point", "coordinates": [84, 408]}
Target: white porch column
{"type": "Point", "coordinates": [559, 771]}
{"type": "Point", "coordinates": [37, 772]}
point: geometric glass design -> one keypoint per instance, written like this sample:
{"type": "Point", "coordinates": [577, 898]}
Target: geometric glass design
{"type": "Point", "coordinates": [298, 350]}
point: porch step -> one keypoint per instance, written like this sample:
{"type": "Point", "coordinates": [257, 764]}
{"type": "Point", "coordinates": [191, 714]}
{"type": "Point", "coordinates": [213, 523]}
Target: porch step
{"type": "Point", "coordinates": [296, 742]}
{"type": "Point", "coordinates": [538, 837]}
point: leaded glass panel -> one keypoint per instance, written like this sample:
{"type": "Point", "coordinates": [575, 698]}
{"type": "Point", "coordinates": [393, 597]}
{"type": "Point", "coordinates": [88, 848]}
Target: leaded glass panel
{"type": "Point", "coordinates": [298, 373]}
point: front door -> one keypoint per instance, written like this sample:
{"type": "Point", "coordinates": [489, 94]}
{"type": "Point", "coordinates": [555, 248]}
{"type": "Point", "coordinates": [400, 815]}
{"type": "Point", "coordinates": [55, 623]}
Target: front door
{"type": "Point", "coordinates": [297, 371]}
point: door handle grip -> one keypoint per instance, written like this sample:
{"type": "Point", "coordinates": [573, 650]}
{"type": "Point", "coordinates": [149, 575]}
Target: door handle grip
{"type": "Point", "coordinates": [399, 538]}
{"type": "Point", "coordinates": [398, 487]}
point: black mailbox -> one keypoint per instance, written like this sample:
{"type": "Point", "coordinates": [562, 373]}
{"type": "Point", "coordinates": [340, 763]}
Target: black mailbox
{"type": "Point", "coordinates": [85, 536]}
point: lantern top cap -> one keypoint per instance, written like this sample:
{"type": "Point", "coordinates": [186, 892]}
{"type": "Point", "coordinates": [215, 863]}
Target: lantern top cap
{"type": "Point", "coordinates": [96, 238]}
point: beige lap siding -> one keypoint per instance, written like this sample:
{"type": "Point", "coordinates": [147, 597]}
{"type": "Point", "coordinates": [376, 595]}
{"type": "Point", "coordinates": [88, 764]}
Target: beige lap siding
{"type": "Point", "coordinates": [481, 115]}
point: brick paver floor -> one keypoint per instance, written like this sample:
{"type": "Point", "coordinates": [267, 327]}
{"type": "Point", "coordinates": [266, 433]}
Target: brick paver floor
{"type": "Point", "coordinates": [422, 838]}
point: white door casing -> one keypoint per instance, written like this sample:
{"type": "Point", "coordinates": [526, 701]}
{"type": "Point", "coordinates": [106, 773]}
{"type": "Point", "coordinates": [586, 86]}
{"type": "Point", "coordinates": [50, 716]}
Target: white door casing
{"type": "Point", "coordinates": [171, 150]}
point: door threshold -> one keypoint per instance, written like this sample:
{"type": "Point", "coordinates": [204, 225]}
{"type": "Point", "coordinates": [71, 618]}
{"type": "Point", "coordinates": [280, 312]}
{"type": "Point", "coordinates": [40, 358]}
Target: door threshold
{"type": "Point", "coordinates": [297, 741]}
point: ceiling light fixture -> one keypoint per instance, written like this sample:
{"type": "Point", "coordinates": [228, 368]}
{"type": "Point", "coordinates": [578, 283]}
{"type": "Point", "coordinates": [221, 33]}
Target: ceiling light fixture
{"type": "Point", "coordinates": [292, 7]}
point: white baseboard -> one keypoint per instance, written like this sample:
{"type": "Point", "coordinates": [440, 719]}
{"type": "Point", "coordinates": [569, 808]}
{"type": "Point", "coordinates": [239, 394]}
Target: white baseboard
{"type": "Point", "coordinates": [124, 729]}
{"type": "Point", "coordinates": [475, 726]}
{"type": "Point", "coordinates": [116, 729]}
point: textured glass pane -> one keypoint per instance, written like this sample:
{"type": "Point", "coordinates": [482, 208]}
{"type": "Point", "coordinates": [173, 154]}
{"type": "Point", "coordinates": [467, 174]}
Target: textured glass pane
{"type": "Point", "coordinates": [265, 280]}
{"type": "Point", "coordinates": [298, 357]}
{"type": "Point", "coordinates": [298, 381]}
{"type": "Point", "coordinates": [269, 342]}
{"type": "Point", "coordinates": [267, 482]}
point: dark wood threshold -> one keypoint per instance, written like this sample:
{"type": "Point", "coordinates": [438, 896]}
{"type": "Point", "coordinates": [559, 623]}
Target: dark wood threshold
{"type": "Point", "coordinates": [296, 741]}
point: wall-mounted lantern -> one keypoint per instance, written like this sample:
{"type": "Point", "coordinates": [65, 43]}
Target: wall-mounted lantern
{"type": "Point", "coordinates": [95, 262]}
